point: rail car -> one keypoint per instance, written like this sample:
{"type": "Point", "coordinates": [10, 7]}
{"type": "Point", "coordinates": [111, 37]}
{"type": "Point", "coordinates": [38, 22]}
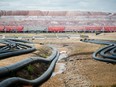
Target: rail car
{"type": "Point", "coordinates": [11, 28]}
{"type": "Point", "coordinates": [56, 29]}
{"type": "Point", "coordinates": [91, 29]}
{"type": "Point", "coordinates": [101, 28]}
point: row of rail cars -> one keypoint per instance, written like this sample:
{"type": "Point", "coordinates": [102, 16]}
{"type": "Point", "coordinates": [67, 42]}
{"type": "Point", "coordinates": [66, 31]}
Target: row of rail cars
{"type": "Point", "coordinates": [11, 28]}
{"type": "Point", "coordinates": [83, 29]}
{"type": "Point", "coordinates": [60, 29]}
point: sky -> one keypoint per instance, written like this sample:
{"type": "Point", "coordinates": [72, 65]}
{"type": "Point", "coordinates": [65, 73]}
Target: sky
{"type": "Point", "coordinates": [64, 5]}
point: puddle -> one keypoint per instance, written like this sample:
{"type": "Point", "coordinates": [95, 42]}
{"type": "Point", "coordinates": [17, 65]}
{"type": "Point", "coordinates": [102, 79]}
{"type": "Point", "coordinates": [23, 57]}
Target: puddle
{"type": "Point", "coordinates": [60, 67]}
{"type": "Point", "coordinates": [63, 55]}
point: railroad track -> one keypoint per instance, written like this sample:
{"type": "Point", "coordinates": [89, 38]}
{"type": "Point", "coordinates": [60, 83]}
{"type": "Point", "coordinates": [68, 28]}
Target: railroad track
{"type": "Point", "coordinates": [17, 47]}
{"type": "Point", "coordinates": [105, 54]}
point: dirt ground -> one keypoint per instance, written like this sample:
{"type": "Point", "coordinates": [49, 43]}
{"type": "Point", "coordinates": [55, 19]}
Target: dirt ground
{"type": "Point", "coordinates": [14, 59]}
{"type": "Point", "coordinates": [81, 69]}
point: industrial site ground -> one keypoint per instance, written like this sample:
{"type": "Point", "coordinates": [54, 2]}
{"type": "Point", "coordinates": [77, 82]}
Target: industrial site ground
{"type": "Point", "coordinates": [79, 70]}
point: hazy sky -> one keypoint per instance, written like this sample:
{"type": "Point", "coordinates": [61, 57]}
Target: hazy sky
{"type": "Point", "coordinates": [78, 5]}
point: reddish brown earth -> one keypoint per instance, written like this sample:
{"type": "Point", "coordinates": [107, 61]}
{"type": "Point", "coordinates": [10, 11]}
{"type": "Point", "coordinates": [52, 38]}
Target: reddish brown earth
{"type": "Point", "coordinates": [51, 13]}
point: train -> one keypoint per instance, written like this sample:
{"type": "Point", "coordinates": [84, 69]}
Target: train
{"type": "Point", "coordinates": [61, 29]}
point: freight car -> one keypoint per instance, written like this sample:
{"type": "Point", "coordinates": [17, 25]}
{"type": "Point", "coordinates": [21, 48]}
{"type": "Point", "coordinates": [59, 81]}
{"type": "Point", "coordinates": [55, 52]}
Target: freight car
{"type": "Point", "coordinates": [90, 29]}
{"type": "Point", "coordinates": [56, 29]}
{"type": "Point", "coordinates": [11, 28]}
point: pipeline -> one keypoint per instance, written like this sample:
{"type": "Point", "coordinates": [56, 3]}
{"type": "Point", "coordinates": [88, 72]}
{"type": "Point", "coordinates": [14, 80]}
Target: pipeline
{"type": "Point", "coordinates": [7, 70]}
{"type": "Point", "coordinates": [13, 48]}
{"type": "Point", "coordinates": [105, 54]}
